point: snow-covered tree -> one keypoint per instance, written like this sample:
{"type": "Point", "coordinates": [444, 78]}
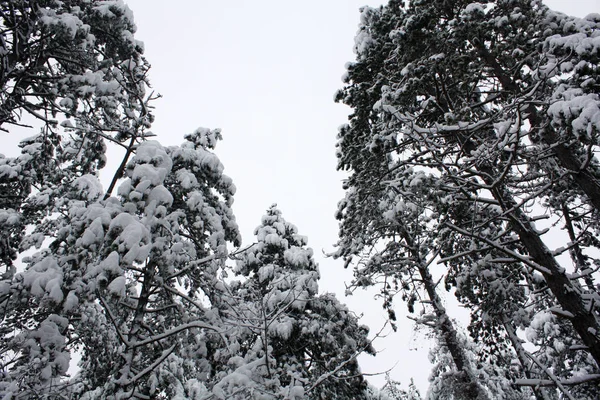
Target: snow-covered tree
{"type": "Point", "coordinates": [76, 59]}
{"type": "Point", "coordinates": [387, 232]}
{"type": "Point", "coordinates": [127, 282]}
{"type": "Point", "coordinates": [129, 274]}
{"type": "Point", "coordinates": [491, 127]}
{"type": "Point", "coordinates": [392, 390]}
{"type": "Point", "coordinates": [74, 70]}
{"type": "Point", "coordinates": [291, 343]}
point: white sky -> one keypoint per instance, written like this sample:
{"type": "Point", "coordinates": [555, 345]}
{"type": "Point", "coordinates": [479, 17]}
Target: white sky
{"type": "Point", "coordinates": [265, 72]}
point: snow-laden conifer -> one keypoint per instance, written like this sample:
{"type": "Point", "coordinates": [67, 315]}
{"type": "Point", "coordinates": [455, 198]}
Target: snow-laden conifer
{"type": "Point", "coordinates": [123, 281]}
{"type": "Point", "coordinates": [127, 282]}
{"type": "Point", "coordinates": [477, 97]}
{"type": "Point", "coordinates": [291, 342]}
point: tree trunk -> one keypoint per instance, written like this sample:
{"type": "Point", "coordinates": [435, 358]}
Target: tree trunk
{"type": "Point", "coordinates": [567, 293]}
{"type": "Point", "coordinates": [472, 389]}
{"type": "Point", "coordinates": [565, 156]}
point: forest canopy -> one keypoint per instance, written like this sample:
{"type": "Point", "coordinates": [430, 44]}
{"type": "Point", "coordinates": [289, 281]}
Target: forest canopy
{"type": "Point", "coordinates": [470, 151]}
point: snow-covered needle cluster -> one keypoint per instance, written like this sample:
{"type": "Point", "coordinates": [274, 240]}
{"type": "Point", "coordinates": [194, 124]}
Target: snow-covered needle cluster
{"type": "Point", "coordinates": [471, 153]}
{"type": "Point", "coordinates": [122, 292]}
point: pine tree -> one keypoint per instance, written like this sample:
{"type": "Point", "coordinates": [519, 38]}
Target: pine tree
{"type": "Point", "coordinates": [129, 272]}
{"type": "Point", "coordinates": [296, 343]}
{"type": "Point", "coordinates": [74, 70]}
{"type": "Point", "coordinates": [121, 281]}
{"type": "Point", "coordinates": [486, 124]}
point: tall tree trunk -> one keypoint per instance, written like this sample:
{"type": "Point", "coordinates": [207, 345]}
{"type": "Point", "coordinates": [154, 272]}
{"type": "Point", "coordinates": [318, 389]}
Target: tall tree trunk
{"type": "Point", "coordinates": [583, 177]}
{"type": "Point", "coordinates": [567, 292]}
{"type": "Point", "coordinates": [472, 389]}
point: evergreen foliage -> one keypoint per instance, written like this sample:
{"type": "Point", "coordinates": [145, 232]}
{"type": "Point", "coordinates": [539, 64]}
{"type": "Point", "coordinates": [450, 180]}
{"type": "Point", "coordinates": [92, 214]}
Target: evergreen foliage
{"type": "Point", "coordinates": [472, 142]}
{"type": "Point", "coordinates": [472, 139]}
{"type": "Point", "coordinates": [308, 342]}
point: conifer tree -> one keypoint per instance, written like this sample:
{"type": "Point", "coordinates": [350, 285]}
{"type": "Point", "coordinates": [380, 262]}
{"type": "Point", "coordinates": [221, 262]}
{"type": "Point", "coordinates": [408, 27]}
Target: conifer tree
{"type": "Point", "coordinates": [117, 280]}
{"type": "Point", "coordinates": [494, 125]}
{"type": "Point", "coordinates": [130, 279]}
{"type": "Point", "coordinates": [296, 344]}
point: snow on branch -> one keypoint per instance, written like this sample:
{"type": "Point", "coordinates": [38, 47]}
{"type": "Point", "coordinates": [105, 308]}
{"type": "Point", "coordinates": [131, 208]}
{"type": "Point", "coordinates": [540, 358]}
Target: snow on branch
{"type": "Point", "coordinates": [518, 257]}
{"type": "Point", "coordinates": [550, 383]}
